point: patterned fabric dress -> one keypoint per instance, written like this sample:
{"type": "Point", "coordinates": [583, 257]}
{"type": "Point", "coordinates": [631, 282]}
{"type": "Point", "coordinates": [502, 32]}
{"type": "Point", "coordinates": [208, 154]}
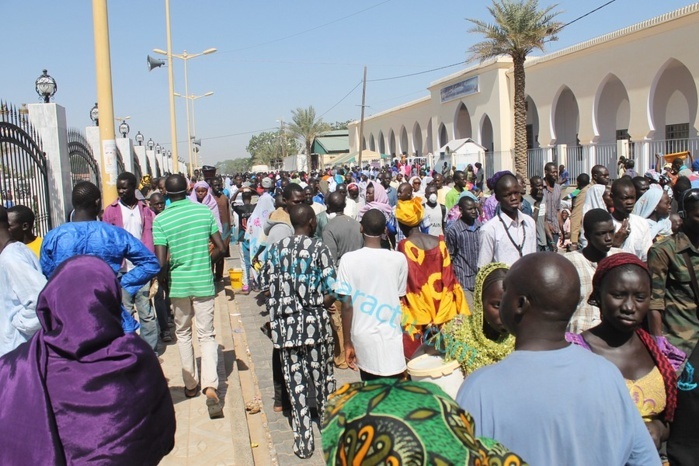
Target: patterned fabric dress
{"type": "Point", "coordinates": [404, 423]}
{"type": "Point", "coordinates": [298, 272]}
{"type": "Point", "coordinates": [434, 295]}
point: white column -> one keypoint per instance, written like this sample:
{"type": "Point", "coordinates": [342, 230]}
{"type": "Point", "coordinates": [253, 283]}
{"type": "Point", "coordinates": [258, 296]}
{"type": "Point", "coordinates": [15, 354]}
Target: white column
{"type": "Point", "coordinates": [562, 155]}
{"type": "Point", "coordinates": [150, 155]}
{"type": "Point", "coordinates": [92, 134]}
{"type": "Point", "coordinates": [124, 146]}
{"type": "Point", "coordinates": [141, 155]}
{"type": "Point", "coordinates": [49, 120]}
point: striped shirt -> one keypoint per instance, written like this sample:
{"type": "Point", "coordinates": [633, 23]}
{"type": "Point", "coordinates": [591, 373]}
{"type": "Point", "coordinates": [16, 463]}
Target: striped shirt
{"type": "Point", "coordinates": [463, 247]}
{"type": "Point", "coordinates": [184, 228]}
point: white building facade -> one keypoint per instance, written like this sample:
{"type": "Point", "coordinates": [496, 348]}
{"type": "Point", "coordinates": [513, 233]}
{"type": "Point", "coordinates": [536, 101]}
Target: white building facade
{"type": "Point", "coordinates": [632, 92]}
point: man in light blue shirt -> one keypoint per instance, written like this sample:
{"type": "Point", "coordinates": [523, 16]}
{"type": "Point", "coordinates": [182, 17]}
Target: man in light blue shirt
{"type": "Point", "coordinates": [21, 281]}
{"type": "Point", "coordinates": [551, 402]}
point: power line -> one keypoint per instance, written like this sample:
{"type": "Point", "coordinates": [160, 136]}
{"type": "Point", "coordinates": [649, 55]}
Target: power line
{"type": "Point", "coordinates": [456, 64]}
{"type": "Point", "coordinates": [226, 135]}
{"type": "Point", "coordinates": [307, 30]}
{"type": "Point", "coordinates": [346, 95]}
{"type": "Point", "coordinates": [415, 74]}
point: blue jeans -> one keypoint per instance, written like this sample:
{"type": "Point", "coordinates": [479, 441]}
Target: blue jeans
{"type": "Point", "coordinates": [146, 314]}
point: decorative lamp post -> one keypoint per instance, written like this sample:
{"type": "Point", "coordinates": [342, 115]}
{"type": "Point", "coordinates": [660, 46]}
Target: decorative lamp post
{"type": "Point", "coordinates": [139, 138]}
{"type": "Point", "coordinates": [157, 149]}
{"type": "Point", "coordinates": [45, 86]}
{"type": "Point", "coordinates": [124, 129]}
{"type": "Point", "coordinates": [95, 115]}
{"type": "Point", "coordinates": [150, 144]}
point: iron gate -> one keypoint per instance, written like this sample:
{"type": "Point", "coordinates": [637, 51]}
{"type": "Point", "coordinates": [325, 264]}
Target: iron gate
{"type": "Point", "coordinates": [23, 167]}
{"type": "Point", "coordinates": [83, 166]}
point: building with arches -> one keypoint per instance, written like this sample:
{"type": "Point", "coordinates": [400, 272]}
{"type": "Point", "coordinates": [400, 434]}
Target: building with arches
{"type": "Point", "coordinates": [632, 92]}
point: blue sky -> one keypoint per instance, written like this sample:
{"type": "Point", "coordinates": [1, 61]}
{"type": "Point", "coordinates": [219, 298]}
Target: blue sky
{"type": "Point", "coordinates": [273, 56]}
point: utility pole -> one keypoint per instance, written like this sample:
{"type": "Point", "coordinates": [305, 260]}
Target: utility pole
{"type": "Point", "coordinates": [103, 65]}
{"type": "Point", "coordinates": [361, 122]}
{"type": "Point", "coordinates": [171, 85]}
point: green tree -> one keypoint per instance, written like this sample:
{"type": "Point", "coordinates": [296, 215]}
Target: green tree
{"type": "Point", "coordinates": [340, 125]}
{"type": "Point", "coordinates": [305, 126]}
{"type": "Point", "coordinates": [233, 166]}
{"type": "Point", "coordinates": [270, 146]}
{"type": "Point", "coordinates": [519, 28]}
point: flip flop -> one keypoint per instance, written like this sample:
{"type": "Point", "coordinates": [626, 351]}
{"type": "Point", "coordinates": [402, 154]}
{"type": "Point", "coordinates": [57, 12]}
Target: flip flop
{"type": "Point", "coordinates": [214, 406]}
{"type": "Point", "coordinates": [191, 393]}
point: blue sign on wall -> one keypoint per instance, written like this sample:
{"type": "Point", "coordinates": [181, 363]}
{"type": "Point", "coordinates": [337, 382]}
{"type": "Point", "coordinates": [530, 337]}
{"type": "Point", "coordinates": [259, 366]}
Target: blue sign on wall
{"type": "Point", "coordinates": [466, 87]}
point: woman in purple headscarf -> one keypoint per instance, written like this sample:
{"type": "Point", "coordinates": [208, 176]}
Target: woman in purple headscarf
{"type": "Point", "coordinates": [203, 195]}
{"type": "Point", "coordinates": [81, 391]}
{"type": "Point", "coordinates": [376, 198]}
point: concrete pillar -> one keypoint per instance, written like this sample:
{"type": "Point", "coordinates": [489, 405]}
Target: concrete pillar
{"type": "Point", "coordinates": [125, 146]}
{"type": "Point", "coordinates": [150, 155]}
{"type": "Point", "coordinates": [562, 155]}
{"type": "Point", "coordinates": [141, 155]}
{"type": "Point", "coordinates": [92, 134]}
{"type": "Point", "coordinates": [49, 120]}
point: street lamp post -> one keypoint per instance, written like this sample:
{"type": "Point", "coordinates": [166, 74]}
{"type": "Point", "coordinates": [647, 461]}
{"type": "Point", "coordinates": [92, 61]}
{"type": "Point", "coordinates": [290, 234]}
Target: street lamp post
{"type": "Point", "coordinates": [123, 126]}
{"type": "Point", "coordinates": [95, 115]}
{"type": "Point", "coordinates": [193, 137]}
{"type": "Point", "coordinates": [184, 56]}
{"type": "Point", "coordinates": [45, 86]}
{"type": "Point", "coordinates": [139, 138]}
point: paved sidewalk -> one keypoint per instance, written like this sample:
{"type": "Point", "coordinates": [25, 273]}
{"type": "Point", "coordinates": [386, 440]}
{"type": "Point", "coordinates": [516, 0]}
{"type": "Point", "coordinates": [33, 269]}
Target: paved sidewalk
{"type": "Point", "coordinates": [251, 317]}
{"type": "Point", "coordinates": [198, 439]}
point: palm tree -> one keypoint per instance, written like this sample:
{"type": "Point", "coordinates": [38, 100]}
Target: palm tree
{"type": "Point", "coordinates": [304, 125]}
{"type": "Point", "coordinates": [520, 27]}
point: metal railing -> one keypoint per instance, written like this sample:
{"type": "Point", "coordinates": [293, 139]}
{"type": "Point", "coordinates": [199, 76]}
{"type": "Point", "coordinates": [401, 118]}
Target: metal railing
{"type": "Point", "coordinates": [606, 154]}
{"type": "Point", "coordinates": [23, 167]}
{"type": "Point", "coordinates": [577, 161]}
{"type": "Point", "coordinates": [489, 165]}
{"type": "Point", "coordinates": [83, 166]}
{"type": "Point", "coordinates": [535, 162]}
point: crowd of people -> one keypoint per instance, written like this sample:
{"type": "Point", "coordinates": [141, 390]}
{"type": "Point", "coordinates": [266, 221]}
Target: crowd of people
{"type": "Point", "coordinates": [573, 311]}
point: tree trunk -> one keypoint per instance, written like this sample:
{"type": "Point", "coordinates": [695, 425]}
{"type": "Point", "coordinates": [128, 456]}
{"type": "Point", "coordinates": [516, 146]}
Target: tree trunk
{"type": "Point", "coordinates": [520, 117]}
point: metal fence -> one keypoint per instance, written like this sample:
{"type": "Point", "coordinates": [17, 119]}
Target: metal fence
{"type": "Point", "coordinates": [646, 150]}
{"type": "Point", "coordinates": [577, 160]}
{"type": "Point", "coordinates": [23, 167]}
{"type": "Point", "coordinates": [83, 166]}
{"type": "Point", "coordinates": [535, 162]}
{"type": "Point", "coordinates": [606, 155]}
{"type": "Point", "coordinates": [489, 164]}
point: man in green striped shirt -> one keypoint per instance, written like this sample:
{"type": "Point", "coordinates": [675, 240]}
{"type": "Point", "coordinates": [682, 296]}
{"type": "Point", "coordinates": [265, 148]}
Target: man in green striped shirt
{"type": "Point", "coordinates": [182, 232]}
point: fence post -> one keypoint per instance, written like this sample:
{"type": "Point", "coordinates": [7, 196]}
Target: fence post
{"type": "Point", "coordinates": [150, 155]}
{"type": "Point", "coordinates": [92, 134]}
{"type": "Point", "coordinates": [49, 120]}
{"type": "Point", "coordinates": [141, 154]}
{"type": "Point", "coordinates": [562, 151]}
{"type": "Point", "coordinates": [591, 157]}
{"type": "Point", "coordinates": [124, 146]}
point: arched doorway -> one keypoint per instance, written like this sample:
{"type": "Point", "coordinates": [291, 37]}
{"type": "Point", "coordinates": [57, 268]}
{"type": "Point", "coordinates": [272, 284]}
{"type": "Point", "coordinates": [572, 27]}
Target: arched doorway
{"type": "Point", "coordinates": [673, 103]}
{"type": "Point", "coordinates": [566, 118]}
{"type": "Point", "coordinates": [487, 134]}
{"type": "Point", "coordinates": [443, 138]}
{"type": "Point", "coordinates": [363, 143]}
{"type": "Point", "coordinates": [392, 143]}
{"type": "Point", "coordinates": [428, 141]}
{"type": "Point", "coordinates": [382, 143]}
{"type": "Point", "coordinates": [532, 124]}
{"type": "Point", "coordinates": [417, 139]}
{"type": "Point", "coordinates": [404, 147]}
{"type": "Point", "coordinates": [462, 123]}
{"type": "Point", "coordinates": [612, 112]}
{"type": "Point", "coordinates": [372, 143]}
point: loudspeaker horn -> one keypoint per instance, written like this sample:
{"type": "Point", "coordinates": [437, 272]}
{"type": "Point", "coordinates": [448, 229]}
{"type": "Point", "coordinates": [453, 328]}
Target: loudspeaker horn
{"type": "Point", "coordinates": [196, 142]}
{"type": "Point", "coordinates": [154, 63]}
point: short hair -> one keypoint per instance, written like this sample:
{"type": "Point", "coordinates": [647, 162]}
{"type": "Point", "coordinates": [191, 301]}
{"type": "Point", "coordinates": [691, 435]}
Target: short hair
{"type": "Point", "coordinates": [130, 179]}
{"type": "Point", "coordinates": [176, 184]}
{"type": "Point", "coordinates": [687, 202]}
{"type": "Point", "coordinates": [681, 185]}
{"type": "Point", "coordinates": [504, 177]}
{"type": "Point", "coordinates": [621, 183]}
{"type": "Point", "coordinates": [597, 168]}
{"type": "Point", "coordinates": [549, 165]}
{"type": "Point", "coordinates": [583, 179]}
{"type": "Point", "coordinates": [458, 172]}
{"type": "Point", "coordinates": [300, 215]}
{"type": "Point", "coordinates": [290, 189]}
{"type": "Point", "coordinates": [595, 216]}
{"type": "Point", "coordinates": [630, 163]}
{"type": "Point", "coordinates": [3, 217]}
{"type": "Point", "coordinates": [463, 200]}
{"type": "Point", "coordinates": [374, 222]}
{"type": "Point", "coordinates": [534, 179]}
{"type": "Point", "coordinates": [24, 214]}
{"type": "Point", "coordinates": [85, 194]}
{"type": "Point", "coordinates": [335, 202]}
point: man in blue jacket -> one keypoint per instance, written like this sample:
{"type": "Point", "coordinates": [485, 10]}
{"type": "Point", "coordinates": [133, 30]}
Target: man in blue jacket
{"type": "Point", "coordinates": [86, 235]}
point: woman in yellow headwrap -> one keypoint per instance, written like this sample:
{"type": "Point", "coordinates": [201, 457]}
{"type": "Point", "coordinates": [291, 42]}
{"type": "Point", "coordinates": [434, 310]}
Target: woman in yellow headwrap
{"type": "Point", "coordinates": [433, 294]}
{"type": "Point", "coordinates": [479, 339]}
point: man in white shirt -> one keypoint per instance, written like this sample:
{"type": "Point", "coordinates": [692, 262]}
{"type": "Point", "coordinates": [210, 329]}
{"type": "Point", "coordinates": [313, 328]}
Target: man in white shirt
{"type": "Point", "coordinates": [633, 234]}
{"type": "Point", "coordinates": [370, 282]}
{"type": "Point", "coordinates": [510, 234]}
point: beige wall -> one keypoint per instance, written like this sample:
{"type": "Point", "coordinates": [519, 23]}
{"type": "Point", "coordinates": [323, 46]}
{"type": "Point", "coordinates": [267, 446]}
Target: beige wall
{"type": "Point", "coordinates": [640, 78]}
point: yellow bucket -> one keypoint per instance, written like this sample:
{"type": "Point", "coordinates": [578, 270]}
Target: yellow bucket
{"type": "Point", "coordinates": [236, 276]}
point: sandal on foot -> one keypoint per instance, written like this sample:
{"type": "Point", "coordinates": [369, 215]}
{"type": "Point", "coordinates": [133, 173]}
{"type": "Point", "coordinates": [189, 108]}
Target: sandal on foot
{"type": "Point", "coordinates": [191, 393]}
{"type": "Point", "coordinates": [213, 404]}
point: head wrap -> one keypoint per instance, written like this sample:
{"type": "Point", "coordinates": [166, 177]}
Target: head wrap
{"type": "Point", "coordinates": [208, 200]}
{"type": "Point", "coordinates": [663, 364]}
{"type": "Point", "coordinates": [380, 201]}
{"type": "Point", "coordinates": [397, 422]}
{"type": "Point", "coordinates": [462, 338]}
{"type": "Point", "coordinates": [470, 195]}
{"type": "Point", "coordinates": [595, 198]}
{"type": "Point", "coordinates": [493, 181]}
{"type": "Point", "coordinates": [60, 388]}
{"type": "Point", "coordinates": [410, 212]}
